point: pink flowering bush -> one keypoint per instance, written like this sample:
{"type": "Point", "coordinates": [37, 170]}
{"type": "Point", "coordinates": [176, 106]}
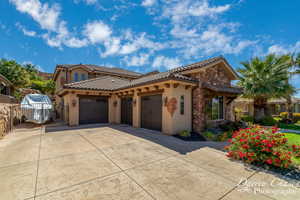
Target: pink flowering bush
{"type": "Point", "coordinates": [259, 145]}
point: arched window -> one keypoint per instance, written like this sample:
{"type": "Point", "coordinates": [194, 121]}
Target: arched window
{"type": "Point", "coordinates": [76, 77]}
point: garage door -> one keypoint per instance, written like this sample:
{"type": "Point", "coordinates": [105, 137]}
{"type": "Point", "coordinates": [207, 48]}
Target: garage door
{"type": "Point", "coordinates": [151, 116]}
{"type": "Point", "coordinates": [93, 109]}
{"type": "Point", "coordinates": [126, 110]}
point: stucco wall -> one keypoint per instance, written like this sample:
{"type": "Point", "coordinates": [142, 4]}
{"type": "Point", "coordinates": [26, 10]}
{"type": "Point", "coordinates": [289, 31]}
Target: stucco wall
{"type": "Point", "coordinates": [114, 109]}
{"type": "Point", "coordinates": [171, 123]}
{"type": "Point", "coordinates": [176, 122]}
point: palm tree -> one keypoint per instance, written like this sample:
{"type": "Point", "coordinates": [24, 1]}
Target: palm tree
{"type": "Point", "coordinates": [263, 79]}
{"type": "Point", "coordinates": [294, 70]}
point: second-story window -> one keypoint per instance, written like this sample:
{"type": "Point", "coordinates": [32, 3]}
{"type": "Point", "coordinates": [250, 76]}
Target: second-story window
{"type": "Point", "coordinates": [76, 78]}
{"type": "Point", "coordinates": [83, 77]}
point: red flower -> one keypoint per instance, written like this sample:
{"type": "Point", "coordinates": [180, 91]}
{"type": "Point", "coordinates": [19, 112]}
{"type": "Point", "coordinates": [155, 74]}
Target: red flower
{"type": "Point", "coordinates": [269, 145]}
{"type": "Point", "coordinates": [269, 161]}
{"type": "Point", "coordinates": [242, 155]}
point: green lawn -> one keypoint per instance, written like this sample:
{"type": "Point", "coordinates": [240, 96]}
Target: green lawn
{"type": "Point", "coordinates": [289, 126]}
{"type": "Point", "coordinates": [294, 138]}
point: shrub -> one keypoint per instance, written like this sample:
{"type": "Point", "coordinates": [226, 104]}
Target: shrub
{"type": "Point", "coordinates": [296, 116]}
{"type": "Point", "coordinates": [268, 121]}
{"type": "Point", "coordinates": [225, 136]}
{"type": "Point", "coordinates": [231, 126]}
{"type": "Point", "coordinates": [210, 135]}
{"type": "Point", "coordinates": [260, 146]}
{"type": "Point", "coordinates": [185, 133]}
{"type": "Point", "coordinates": [248, 118]}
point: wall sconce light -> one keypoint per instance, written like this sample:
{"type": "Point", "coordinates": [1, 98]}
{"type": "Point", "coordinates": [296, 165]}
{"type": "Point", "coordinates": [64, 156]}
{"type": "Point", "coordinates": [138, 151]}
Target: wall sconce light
{"type": "Point", "coordinates": [115, 103]}
{"type": "Point", "coordinates": [134, 102]}
{"type": "Point", "coordinates": [166, 101]}
{"type": "Point", "coordinates": [74, 102]}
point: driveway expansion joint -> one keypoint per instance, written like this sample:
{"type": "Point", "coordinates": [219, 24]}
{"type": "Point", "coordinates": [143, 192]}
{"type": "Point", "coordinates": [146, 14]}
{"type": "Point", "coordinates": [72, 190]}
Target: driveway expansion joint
{"type": "Point", "coordinates": [119, 168]}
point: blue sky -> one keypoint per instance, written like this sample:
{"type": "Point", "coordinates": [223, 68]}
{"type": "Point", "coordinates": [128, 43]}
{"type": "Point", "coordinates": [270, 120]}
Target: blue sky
{"type": "Point", "coordinates": [146, 35]}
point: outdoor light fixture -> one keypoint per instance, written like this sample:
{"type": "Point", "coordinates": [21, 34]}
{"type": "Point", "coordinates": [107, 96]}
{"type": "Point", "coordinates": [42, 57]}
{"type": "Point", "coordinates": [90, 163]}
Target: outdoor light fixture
{"type": "Point", "coordinates": [115, 103]}
{"type": "Point", "coordinates": [74, 102]}
{"type": "Point", "coordinates": [134, 102]}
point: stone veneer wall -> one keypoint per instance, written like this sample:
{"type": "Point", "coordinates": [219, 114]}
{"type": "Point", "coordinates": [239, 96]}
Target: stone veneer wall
{"type": "Point", "coordinates": [216, 75]}
{"type": "Point", "coordinates": [10, 115]}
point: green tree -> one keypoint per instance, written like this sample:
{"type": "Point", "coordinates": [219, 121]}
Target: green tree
{"type": "Point", "coordinates": [15, 73]}
{"type": "Point", "coordinates": [294, 70]}
{"type": "Point", "coordinates": [265, 78]}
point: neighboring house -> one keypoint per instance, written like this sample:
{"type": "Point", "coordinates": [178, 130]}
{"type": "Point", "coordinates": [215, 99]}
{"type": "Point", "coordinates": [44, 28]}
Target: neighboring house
{"type": "Point", "coordinates": [184, 98]}
{"type": "Point", "coordinates": [6, 91]}
{"type": "Point", "coordinates": [275, 106]}
{"type": "Point", "coordinates": [45, 75]}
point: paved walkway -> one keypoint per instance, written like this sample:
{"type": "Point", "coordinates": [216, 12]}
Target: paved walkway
{"type": "Point", "coordinates": [124, 163]}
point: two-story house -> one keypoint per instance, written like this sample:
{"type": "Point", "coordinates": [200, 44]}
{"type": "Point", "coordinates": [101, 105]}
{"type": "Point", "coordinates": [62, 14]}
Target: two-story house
{"type": "Point", "coordinates": [184, 98]}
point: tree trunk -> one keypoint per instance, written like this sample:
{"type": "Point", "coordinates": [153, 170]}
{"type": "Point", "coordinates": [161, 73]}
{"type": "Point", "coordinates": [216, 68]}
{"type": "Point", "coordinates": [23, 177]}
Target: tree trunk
{"type": "Point", "coordinates": [289, 107]}
{"type": "Point", "coordinates": [260, 108]}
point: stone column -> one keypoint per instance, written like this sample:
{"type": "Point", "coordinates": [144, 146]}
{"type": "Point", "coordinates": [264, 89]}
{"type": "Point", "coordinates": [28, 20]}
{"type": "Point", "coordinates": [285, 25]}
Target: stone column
{"type": "Point", "coordinates": [198, 109]}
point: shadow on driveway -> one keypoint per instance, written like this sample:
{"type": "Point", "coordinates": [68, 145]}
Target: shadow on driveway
{"type": "Point", "coordinates": [157, 137]}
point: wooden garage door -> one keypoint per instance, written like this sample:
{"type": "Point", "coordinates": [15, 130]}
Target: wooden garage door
{"type": "Point", "coordinates": [126, 110]}
{"type": "Point", "coordinates": [93, 109]}
{"type": "Point", "coordinates": [151, 115]}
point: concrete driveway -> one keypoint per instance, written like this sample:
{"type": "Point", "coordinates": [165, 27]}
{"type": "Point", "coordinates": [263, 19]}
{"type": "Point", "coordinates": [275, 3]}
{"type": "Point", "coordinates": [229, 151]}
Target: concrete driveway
{"type": "Point", "coordinates": [124, 163]}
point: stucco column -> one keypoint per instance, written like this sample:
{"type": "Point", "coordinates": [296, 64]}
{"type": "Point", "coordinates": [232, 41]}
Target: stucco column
{"type": "Point", "coordinates": [136, 111]}
{"type": "Point", "coordinates": [118, 110]}
{"type": "Point", "coordinates": [73, 104]}
{"type": "Point", "coordinates": [114, 109]}
{"type": "Point", "coordinates": [167, 120]}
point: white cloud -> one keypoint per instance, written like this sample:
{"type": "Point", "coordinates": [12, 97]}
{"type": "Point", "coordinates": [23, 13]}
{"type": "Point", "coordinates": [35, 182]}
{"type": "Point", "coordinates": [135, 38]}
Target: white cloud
{"type": "Point", "coordinates": [25, 31]}
{"type": "Point", "coordinates": [88, 2]}
{"type": "Point", "coordinates": [202, 8]}
{"type": "Point", "coordinates": [140, 42]}
{"type": "Point", "coordinates": [112, 47]}
{"type": "Point", "coordinates": [196, 30]}
{"type": "Point", "coordinates": [127, 43]}
{"type": "Point", "coordinates": [137, 60]}
{"type": "Point", "coordinates": [279, 49]}
{"type": "Point", "coordinates": [165, 62]}
{"type": "Point", "coordinates": [63, 37]}
{"type": "Point", "coordinates": [97, 31]}
{"type": "Point", "coordinates": [147, 3]}
{"type": "Point", "coordinates": [47, 16]}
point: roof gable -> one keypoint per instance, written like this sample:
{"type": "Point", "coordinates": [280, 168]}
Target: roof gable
{"type": "Point", "coordinates": [206, 63]}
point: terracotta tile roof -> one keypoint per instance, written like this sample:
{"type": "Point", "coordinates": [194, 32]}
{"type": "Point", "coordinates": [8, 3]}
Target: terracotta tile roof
{"type": "Point", "coordinates": [113, 70]}
{"type": "Point", "coordinates": [112, 83]}
{"type": "Point", "coordinates": [101, 83]}
{"type": "Point", "coordinates": [197, 64]}
{"type": "Point", "coordinates": [204, 63]}
{"type": "Point", "coordinates": [156, 78]}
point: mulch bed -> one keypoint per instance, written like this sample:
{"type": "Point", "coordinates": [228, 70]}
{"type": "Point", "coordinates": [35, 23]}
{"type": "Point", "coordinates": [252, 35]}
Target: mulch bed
{"type": "Point", "coordinates": [192, 138]}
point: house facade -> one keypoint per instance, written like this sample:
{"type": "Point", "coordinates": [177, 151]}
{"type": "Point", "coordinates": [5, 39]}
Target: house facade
{"type": "Point", "coordinates": [184, 98]}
